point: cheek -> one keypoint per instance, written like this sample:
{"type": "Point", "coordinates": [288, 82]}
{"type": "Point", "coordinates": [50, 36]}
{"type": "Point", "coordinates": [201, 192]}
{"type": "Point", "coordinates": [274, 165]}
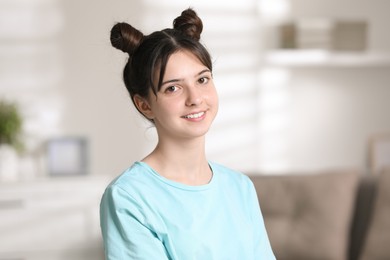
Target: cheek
{"type": "Point", "coordinates": [167, 107]}
{"type": "Point", "coordinates": [216, 104]}
{"type": "Point", "coordinates": [214, 98]}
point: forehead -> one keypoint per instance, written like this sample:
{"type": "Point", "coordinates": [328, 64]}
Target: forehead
{"type": "Point", "coordinates": [183, 63]}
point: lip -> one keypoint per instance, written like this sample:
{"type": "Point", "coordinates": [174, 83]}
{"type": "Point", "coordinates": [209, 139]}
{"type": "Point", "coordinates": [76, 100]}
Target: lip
{"type": "Point", "coordinates": [195, 116]}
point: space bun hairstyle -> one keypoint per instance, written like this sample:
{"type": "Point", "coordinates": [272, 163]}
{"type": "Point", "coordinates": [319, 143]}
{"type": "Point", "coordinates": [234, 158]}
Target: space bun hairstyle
{"type": "Point", "coordinates": [148, 54]}
{"type": "Point", "coordinates": [188, 23]}
{"type": "Point", "coordinates": [125, 38]}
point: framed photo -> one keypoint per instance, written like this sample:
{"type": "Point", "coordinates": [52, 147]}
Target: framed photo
{"type": "Point", "coordinates": [379, 153]}
{"type": "Point", "coordinates": [67, 156]}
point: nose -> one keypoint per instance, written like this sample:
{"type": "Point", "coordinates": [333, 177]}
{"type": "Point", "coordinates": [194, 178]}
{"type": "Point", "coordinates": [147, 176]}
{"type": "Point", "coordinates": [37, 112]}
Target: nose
{"type": "Point", "coordinates": [194, 96]}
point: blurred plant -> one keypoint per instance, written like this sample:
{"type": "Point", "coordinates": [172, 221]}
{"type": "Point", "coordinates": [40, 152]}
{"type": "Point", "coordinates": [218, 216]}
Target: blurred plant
{"type": "Point", "coordinates": [10, 125]}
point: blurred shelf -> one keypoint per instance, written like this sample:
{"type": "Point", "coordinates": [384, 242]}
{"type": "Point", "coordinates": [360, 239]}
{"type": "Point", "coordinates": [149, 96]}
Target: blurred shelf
{"type": "Point", "coordinates": [324, 58]}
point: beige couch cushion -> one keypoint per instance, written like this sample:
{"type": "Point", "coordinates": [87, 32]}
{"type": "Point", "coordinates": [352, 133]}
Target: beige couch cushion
{"type": "Point", "coordinates": [377, 245]}
{"type": "Point", "coordinates": [308, 216]}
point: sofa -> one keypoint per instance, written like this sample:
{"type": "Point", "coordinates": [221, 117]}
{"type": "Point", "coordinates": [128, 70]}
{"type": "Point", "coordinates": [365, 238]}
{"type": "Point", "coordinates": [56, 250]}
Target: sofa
{"type": "Point", "coordinates": [335, 215]}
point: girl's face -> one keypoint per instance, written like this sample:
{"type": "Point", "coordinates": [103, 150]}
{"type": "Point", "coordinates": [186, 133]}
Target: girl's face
{"type": "Point", "coordinates": [187, 101]}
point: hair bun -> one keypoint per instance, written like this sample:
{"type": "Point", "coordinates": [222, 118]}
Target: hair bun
{"type": "Point", "coordinates": [125, 37]}
{"type": "Point", "coordinates": [189, 24]}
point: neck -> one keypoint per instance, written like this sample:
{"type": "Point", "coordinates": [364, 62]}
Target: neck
{"type": "Point", "coordinates": [183, 162]}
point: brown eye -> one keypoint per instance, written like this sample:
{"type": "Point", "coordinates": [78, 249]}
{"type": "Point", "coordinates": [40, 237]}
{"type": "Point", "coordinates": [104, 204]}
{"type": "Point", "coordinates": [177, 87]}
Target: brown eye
{"type": "Point", "coordinates": [171, 89]}
{"type": "Point", "coordinates": [203, 80]}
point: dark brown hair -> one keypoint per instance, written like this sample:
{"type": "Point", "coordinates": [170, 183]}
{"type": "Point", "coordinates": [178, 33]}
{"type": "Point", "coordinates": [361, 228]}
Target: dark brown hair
{"type": "Point", "coordinates": [150, 53]}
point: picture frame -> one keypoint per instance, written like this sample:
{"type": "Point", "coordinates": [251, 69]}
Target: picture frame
{"type": "Point", "coordinates": [67, 156]}
{"type": "Point", "coordinates": [379, 153]}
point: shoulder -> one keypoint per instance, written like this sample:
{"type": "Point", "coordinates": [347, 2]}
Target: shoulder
{"type": "Point", "coordinates": [130, 183]}
{"type": "Point", "coordinates": [136, 172]}
{"type": "Point", "coordinates": [230, 176]}
{"type": "Point", "coordinates": [237, 185]}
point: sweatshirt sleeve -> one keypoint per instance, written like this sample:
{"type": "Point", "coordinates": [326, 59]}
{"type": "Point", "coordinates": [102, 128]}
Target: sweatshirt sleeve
{"type": "Point", "coordinates": [126, 234]}
{"type": "Point", "coordinates": [263, 249]}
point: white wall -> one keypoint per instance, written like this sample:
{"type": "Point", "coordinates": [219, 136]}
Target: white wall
{"type": "Point", "coordinates": [335, 112]}
{"type": "Point", "coordinates": [98, 104]}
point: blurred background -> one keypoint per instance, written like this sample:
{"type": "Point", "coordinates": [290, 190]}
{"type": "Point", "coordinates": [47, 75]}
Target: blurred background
{"type": "Point", "coordinates": [303, 86]}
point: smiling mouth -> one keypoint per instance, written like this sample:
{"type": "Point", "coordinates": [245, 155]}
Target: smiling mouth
{"type": "Point", "coordinates": [197, 115]}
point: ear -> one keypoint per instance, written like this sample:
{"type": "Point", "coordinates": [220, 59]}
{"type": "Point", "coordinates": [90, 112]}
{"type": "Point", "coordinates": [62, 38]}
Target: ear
{"type": "Point", "coordinates": [143, 106]}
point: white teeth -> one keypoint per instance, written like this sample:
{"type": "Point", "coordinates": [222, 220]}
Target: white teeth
{"type": "Point", "coordinates": [195, 115]}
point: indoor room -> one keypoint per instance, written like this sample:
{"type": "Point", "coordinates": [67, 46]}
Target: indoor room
{"type": "Point", "coordinates": [304, 90]}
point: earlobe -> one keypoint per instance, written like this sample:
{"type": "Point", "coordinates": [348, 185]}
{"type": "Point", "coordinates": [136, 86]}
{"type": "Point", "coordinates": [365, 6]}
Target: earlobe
{"type": "Point", "coordinates": [143, 106]}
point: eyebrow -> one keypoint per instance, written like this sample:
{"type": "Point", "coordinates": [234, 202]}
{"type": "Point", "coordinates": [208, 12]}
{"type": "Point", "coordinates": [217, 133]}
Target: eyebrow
{"type": "Point", "coordinates": [178, 80]}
